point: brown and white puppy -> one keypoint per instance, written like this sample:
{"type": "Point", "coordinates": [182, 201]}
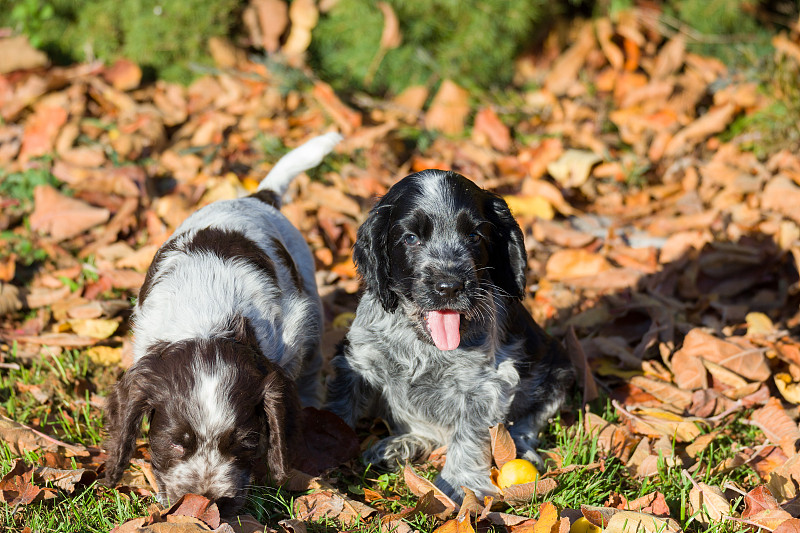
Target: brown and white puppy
{"type": "Point", "coordinates": [226, 334]}
{"type": "Point", "coordinates": [441, 346]}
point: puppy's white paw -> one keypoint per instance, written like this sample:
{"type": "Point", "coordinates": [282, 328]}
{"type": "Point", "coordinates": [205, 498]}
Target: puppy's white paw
{"type": "Point", "coordinates": [393, 451]}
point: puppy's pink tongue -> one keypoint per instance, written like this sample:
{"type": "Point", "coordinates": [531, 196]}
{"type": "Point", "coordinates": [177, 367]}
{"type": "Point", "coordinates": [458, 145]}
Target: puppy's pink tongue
{"type": "Point", "coordinates": [443, 326]}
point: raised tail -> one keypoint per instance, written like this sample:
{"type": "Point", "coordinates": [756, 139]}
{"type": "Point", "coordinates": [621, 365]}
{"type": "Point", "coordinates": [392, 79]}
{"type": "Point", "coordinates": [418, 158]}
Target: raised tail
{"type": "Point", "coordinates": [306, 156]}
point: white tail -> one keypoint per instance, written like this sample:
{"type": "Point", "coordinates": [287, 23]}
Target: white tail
{"type": "Point", "coordinates": [306, 156]}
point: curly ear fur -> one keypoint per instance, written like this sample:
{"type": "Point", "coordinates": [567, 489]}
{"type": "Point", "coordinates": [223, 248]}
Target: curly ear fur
{"type": "Point", "coordinates": [371, 254]}
{"type": "Point", "coordinates": [282, 407]}
{"type": "Point", "coordinates": [509, 260]}
{"type": "Point", "coordinates": [126, 407]}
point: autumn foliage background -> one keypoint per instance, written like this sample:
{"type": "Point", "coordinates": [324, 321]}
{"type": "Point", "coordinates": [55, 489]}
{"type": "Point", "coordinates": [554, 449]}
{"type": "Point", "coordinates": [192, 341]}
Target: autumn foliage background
{"type": "Point", "coordinates": [653, 165]}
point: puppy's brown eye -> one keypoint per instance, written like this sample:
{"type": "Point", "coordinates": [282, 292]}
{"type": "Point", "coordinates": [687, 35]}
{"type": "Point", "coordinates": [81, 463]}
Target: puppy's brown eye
{"type": "Point", "coordinates": [411, 239]}
{"type": "Point", "coordinates": [474, 237]}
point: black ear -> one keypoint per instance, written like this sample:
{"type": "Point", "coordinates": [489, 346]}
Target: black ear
{"type": "Point", "coordinates": [371, 254]}
{"type": "Point", "coordinates": [282, 407]}
{"type": "Point", "coordinates": [509, 261]}
{"type": "Point", "coordinates": [125, 408]}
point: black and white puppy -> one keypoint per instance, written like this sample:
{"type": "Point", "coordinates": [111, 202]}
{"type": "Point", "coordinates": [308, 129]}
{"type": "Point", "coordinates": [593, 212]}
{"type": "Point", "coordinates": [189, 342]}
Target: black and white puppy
{"type": "Point", "coordinates": [226, 334]}
{"type": "Point", "coordinates": [441, 345]}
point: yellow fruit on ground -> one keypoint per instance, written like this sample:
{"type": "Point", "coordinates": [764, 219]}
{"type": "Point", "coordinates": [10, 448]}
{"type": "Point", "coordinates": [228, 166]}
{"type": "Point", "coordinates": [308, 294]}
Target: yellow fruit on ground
{"type": "Point", "coordinates": [581, 525]}
{"type": "Point", "coordinates": [516, 472]}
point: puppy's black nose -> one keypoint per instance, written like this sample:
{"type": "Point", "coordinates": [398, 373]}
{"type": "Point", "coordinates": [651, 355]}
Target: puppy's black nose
{"type": "Point", "coordinates": [449, 288]}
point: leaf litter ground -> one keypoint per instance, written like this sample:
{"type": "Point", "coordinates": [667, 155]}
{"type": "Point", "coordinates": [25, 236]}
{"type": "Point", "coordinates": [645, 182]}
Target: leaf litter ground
{"type": "Point", "coordinates": [663, 247]}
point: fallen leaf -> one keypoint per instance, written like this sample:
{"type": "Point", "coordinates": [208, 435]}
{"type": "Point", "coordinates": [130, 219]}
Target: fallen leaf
{"type": "Point", "coordinates": [573, 168]}
{"type": "Point", "coordinates": [96, 328]}
{"type": "Point", "coordinates": [16, 53]}
{"type": "Point", "coordinates": [449, 109]}
{"type": "Point", "coordinates": [327, 442]}
{"type": "Point", "coordinates": [777, 426]}
{"type": "Point", "coordinates": [331, 504]}
{"type": "Point", "coordinates": [633, 522]}
{"type": "Point", "coordinates": [503, 447]}
{"type": "Point", "coordinates": [16, 487]}
{"type": "Point", "coordinates": [566, 264]}
{"type": "Point", "coordinates": [488, 126]}
{"type": "Point", "coordinates": [524, 492]}
{"type": "Point", "coordinates": [740, 356]}
{"type": "Point", "coordinates": [530, 206]}
{"type": "Point", "coordinates": [708, 504]}
{"type": "Point", "coordinates": [420, 486]}
{"type": "Point", "coordinates": [63, 217]}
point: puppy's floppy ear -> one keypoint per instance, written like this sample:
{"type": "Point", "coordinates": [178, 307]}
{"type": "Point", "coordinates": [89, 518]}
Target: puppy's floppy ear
{"type": "Point", "coordinates": [129, 401]}
{"type": "Point", "coordinates": [371, 254]}
{"type": "Point", "coordinates": [509, 261]}
{"type": "Point", "coordinates": [282, 407]}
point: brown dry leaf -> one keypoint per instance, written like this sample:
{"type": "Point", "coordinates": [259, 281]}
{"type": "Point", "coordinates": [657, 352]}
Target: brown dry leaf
{"type": "Point", "coordinates": [689, 371]}
{"type": "Point", "coordinates": [41, 130]}
{"type": "Point", "coordinates": [777, 426]}
{"type": "Point", "coordinates": [665, 392]}
{"type": "Point", "coordinates": [503, 447]}
{"type": "Point", "coordinates": [21, 439]}
{"type": "Point", "coordinates": [783, 481]}
{"type": "Point", "coordinates": [488, 126]}
{"type": "Point", "coordinates": [611, 438]}
{"type": "Point", "coordinates": [449, 109]}
{"type": "Point", "coordinates": [347, 119]}
{"type": "Point", "coordinates": [605, 33]}
{"type": "Point", "coordinates": [390, 37]}
{"type": "Point", "coordinates": [16, 53]}
{"type": "Point", "coordinates": [566, 264]}
{"type": "Point", "coordinates": [420, 486]}
{"type": "Point", "coordinates": [248, 524]}
{"type": "Point", "coordinates": [670, 58]}
{"type": "Point", "coordinates": [196, 506]}
{"type": "Point", "coordinates": [701, 443]}
{"type": "Point", "coordinates": [573, 168]}
{"type": "Point", "coordinates": [16, 487]}
{"type": "Point", "coordinates": [327, 441]}
{"type": "Point", "coordinates": [63, 217]}
{"type": "Point", "coordinates": [792, 525]}
{"type": "Point", "coordinates": [715, 121]}
{"type": "Point", "coordinates": [524, 492]}
{"type": "Point", "coordinates": [564, 71]}
{"type": "Point", "coordinates": [64, 479]}
{"type": "Point", "coordinates": [578, 358]}
{"type": "Point", "coordinates": [331, 504]}
{"type": "Point", "coordinates": [708, 504]}
{"type": "Point", "coordinates": [633, 522]}
{"type": "Point", "coordinates": [735, 354]}
{"type": "Point", "coordinates": [659, 422]}
{"type": "Point", "coordinates": [599, 516]}
{"type": "Point", "coordinates": [762, 508]}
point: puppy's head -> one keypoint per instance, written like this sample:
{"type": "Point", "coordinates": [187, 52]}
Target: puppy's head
{"type": "Point", "coordinates": [217, 408]}
{"type": "Point", "coordinates": [442, 248]}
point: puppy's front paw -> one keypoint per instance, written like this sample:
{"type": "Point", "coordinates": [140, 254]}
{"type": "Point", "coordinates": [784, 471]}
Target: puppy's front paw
{"type": "Point", "coordinates": [393, 451]}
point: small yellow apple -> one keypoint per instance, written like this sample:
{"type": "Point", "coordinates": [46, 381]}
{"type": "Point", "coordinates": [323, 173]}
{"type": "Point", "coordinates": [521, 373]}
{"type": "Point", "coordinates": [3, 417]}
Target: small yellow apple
{"type": "Point", "coordinates": [516, 472]}
{"type": "Point", "coordinates": [581, 525]}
